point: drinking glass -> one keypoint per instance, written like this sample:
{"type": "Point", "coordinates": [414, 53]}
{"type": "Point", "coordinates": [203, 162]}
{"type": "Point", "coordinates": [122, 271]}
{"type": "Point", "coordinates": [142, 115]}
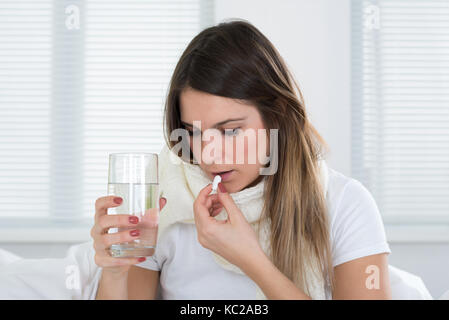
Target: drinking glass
{"type": "Point", "coordinates": [134, 178]}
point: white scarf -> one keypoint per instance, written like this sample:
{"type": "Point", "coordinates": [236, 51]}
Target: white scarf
{"type": "Point", "coordinates": [180, 182]}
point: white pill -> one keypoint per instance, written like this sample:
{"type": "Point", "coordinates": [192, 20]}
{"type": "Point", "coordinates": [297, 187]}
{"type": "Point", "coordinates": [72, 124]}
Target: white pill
{"type": "Point", "coordinates": [215, 183]}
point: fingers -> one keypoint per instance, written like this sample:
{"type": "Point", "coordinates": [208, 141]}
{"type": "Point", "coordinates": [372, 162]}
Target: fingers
{"type": "Point", "coordinates": [114, 220]}
{"type": "Point", "coordinates": [162, 203]}
{"type": "Point", "coordinates": [103, 203]}
{"type": "Point", "coordinates": [226, 200]}
{"type": "Point", "coordinates": [204, 193]}
{"type": "Point", "coordinates": [103, 240]}
{"type": "Point", "coordinates": [215, 210]}
{"type": "Point", "coordinates": [203, 203]}
{"type": "Point", "coordinates": [210, 202]}
{"type": "Point", "coordinates": [103, 221]}
{"type": "Point", "coordinates": [106, 240]}
{"type": "Point", "coordinates": [213, 203]}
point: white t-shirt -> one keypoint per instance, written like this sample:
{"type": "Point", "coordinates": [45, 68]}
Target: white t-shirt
{"type": "Point", "coordinates": [189, 271]}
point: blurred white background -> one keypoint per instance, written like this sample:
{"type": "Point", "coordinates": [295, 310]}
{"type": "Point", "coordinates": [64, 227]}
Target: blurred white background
{"type": "Point", "coordinates": [376, 85]}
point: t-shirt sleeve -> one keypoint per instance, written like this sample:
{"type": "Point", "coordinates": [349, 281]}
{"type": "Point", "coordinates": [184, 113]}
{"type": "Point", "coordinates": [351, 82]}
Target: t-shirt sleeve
{"type": "Point", "coordinates": [357, 228]}
{"type": "Point", "coordinates": [150, 263]}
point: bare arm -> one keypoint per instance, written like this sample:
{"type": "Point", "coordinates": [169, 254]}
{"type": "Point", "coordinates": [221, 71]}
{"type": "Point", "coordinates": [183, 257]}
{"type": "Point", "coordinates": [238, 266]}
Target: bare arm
{"type": "Point", "coordinates": [142, 283]}
{"type": "Point", "coordinates": [364, 278]}
{"type": "Point", "coordinates": [136, 284]}
{"type": "Point", "coordinates": [112, 286]}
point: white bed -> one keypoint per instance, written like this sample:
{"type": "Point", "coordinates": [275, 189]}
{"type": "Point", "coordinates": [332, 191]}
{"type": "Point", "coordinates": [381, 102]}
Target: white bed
{"type": "Point", "coordinates": [76, 277]}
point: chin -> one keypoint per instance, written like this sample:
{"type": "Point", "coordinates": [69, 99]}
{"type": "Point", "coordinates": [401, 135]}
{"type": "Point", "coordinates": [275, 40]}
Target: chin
{"type": "Point", "coordinates": [232, 186]}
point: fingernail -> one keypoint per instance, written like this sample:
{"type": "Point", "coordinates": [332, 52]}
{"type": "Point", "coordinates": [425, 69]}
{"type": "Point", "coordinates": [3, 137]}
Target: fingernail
{"type": "Point", "coordinates": [222, 187]}
{"type": "Point", "coordinates": [164, 201]}
{"type": "Point", "coordinates": [118, 200]}
{"type": "Point", "coordinates": [142, 259]}
{"type": "Point", "coordinates": [134, 233]}
{"type": "Point", "coordinates": [134, 219]}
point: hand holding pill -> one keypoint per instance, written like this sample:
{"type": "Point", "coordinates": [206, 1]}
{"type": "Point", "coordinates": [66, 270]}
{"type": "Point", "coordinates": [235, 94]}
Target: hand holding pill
{"type": "Point", "coordinates": [233, 238]}
{"type": "Point", "coordinates": [215, 183]}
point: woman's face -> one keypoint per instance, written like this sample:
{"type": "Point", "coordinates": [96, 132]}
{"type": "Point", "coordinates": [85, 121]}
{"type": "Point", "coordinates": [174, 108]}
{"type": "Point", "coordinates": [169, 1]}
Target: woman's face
{"type": "Point", "coordinates": [213, 112]}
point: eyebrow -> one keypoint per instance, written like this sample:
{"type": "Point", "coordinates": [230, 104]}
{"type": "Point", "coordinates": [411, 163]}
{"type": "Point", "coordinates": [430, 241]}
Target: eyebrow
{"type": "Point", "coordinates": [217, 124]}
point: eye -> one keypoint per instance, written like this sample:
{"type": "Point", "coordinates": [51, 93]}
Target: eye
{"type": "Point", "coordinates": [232, 132]}
{"type": "Point", "coordinates": [194, 133]}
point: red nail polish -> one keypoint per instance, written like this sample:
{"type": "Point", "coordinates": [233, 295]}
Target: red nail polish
{"type": "Point", "coordinates": [222, 187]}
{"type": "Point", "coordinates": [134, 233]}
{"type": "Point", "coordinates": [134, 220]}
{"type": "Point", "coordinates": [118, 200]}
{"type": "Point", "coordinates": [142, 259]}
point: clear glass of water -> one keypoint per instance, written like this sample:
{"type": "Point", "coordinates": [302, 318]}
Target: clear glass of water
{"type": "Point", "coordinates": [134, 178]}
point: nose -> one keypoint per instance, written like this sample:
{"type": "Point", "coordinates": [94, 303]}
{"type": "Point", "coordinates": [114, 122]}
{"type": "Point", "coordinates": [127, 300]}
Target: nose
{"type": "Point", "coordinates": [213, 151]}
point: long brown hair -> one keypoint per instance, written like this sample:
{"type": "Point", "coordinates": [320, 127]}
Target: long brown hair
{"type": "Point", "coordinates": [234, 59]}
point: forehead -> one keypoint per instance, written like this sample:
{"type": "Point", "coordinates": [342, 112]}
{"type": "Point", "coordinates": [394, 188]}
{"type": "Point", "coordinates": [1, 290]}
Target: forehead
{"type": "Point", "coordinates": [210, 109]}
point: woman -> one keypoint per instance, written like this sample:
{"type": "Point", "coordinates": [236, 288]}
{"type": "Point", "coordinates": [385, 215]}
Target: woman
{"type": "Point", "coordinates": [231, 78]}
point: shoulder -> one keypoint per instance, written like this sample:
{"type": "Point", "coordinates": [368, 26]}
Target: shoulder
{"type": "Point", "coordinates": [345, 194]}
{"type": "Point", "coordinates": [356, 226]}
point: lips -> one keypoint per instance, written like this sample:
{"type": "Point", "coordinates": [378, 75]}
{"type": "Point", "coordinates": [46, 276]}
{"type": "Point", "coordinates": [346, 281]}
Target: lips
{"type": "Point", "coordinates": [224, 174]}
{"type": "Point", "coordinates": [220, 173]}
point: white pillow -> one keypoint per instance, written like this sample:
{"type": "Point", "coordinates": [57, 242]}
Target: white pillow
{"type": "Point", "coordinates": [7, 257]}
{"type": "Point", "coordinates": [407, 286]}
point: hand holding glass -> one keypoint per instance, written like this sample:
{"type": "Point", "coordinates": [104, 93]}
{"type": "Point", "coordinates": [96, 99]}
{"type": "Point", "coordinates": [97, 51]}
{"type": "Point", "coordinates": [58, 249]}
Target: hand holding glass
{"type": "Point", "coordinates": [134, 178]}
